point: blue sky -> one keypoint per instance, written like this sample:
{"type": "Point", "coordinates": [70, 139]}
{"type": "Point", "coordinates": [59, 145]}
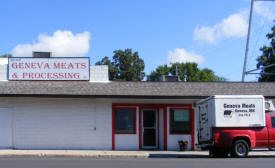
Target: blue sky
{"type": "Point", "coordinates": [211, 33]}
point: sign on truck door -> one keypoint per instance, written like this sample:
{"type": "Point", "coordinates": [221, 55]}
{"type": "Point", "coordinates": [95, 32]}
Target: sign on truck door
{"type": "Point", "coordinates": [204, 123]}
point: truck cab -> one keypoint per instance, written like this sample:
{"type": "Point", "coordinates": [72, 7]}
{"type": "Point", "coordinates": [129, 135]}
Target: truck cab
{"type": "Point", "coordinates": [239, 141]}
{"type": "Point", "coordinates": [235, 125]}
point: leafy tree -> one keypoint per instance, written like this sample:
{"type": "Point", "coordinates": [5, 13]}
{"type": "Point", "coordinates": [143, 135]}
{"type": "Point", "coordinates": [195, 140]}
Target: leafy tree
{"type": "Point", "coordinates": [190, 70]}
{"type": "Point", "coordinates": [267, 58]}
{"type": "Point", "coordinates": [125, 65]}
{"type": "Point", "coordinates": [161, 70]}
{"type": "Point", "coordinates": [5, 56]}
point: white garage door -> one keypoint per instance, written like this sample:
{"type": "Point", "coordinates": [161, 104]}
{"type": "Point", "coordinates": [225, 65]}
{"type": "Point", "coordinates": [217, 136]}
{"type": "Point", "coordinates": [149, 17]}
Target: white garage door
{"type": "Point", "coordinates": [5, 128]}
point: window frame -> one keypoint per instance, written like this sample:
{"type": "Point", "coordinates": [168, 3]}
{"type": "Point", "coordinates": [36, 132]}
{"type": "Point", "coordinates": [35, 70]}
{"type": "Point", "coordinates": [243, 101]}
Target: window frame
{"type": "Point", "coordinates": [135, 120]}
{"type": "Point", "coordinates": [190, 121]}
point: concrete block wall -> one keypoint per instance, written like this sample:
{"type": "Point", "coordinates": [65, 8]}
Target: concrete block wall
{"type": "Point", "coordinates": [72, 123]}
{"type": "Point", "coordinates": [99, 73]}
{"type": "Point", "coordinates": [42, 123]}
{"type": "Point", "coordinates": [3, 72]}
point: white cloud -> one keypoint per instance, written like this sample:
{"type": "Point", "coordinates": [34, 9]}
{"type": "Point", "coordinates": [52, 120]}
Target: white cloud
{"type": "Point", "coordinates": [234, 25]}
{"type": "Point", "coordinates": [61, 44]}
{"type": "Point", "coordinates": [265, 10]}
{"type": "Point", "coordinates": [180, 55]}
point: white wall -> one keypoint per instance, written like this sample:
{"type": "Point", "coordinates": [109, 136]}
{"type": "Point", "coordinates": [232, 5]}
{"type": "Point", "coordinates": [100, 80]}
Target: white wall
{"type": "Point", "coordinates": [3, 72]}
{"type": "Point", "coordinates": [99, 73]}
{"type": "Point", "coordinates": [5, 128]}
{"type": "Point", "coordinates": [42, 123]}
{"type": "Point", "coordinates": [172, 139]}
{"type": "Point", "coordinates": [161, 130]}
{"type": "Point", "coordinates": [74, 123]}
{"type": "Point", "coordinates": [128, 141]}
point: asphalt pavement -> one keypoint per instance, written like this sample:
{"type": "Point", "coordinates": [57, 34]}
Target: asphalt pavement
{"type": "Point", "coordinates": [117, 154]}
{"type": "Point", "coordinates": [60, 162]}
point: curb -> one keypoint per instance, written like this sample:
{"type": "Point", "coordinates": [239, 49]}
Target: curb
{"type": "Point", "coordinates": [72, 153]}
{"type": "Point", "coordinates": [118, 154]}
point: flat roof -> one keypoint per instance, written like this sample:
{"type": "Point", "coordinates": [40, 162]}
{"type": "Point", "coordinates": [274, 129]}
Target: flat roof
{"type": "Point", "coordinates": [134, 89]}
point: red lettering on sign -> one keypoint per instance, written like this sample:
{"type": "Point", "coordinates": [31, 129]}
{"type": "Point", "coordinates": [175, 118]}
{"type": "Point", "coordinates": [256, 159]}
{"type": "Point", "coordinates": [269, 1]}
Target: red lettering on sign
{"type": "Point", "coordinates": [46, 66]}
{"type": "Point", "coordinates": [83, 65]}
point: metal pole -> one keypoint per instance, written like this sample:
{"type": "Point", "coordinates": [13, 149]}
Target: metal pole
{"type": "Point", "coordinates": [247, 42]}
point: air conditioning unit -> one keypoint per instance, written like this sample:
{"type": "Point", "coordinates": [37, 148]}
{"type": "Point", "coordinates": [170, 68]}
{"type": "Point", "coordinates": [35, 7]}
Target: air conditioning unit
{"type": "Point", "coordinates": [36, 54]}
{"type": "Point", "coordinates": [169, 78]}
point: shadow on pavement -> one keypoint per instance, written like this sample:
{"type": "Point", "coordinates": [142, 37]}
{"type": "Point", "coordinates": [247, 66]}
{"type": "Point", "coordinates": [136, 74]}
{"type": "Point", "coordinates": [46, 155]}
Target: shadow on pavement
{"type": "Point", "coordinates": [177, 156]}
{"type": "Point", "coordinates": [262, 156]}
{"type": "Point", "coordinates": [201, 156]}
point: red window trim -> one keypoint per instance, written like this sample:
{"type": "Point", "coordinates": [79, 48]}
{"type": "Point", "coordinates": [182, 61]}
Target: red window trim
{"type": "Point", "coordinates": [135, 120]}
{"type": "Point", "coordinates": [190, 119]}
{"type": "Point", "coordinates": [165, 119]}
{"type": "Point", "coordinates": [192, 122]}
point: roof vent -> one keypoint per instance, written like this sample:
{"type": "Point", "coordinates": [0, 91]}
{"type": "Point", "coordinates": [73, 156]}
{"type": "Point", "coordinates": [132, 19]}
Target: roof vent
{"type": "Point", "coordinates": [36, 54]}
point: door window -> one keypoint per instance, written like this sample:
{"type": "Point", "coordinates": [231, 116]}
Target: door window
{"type": "Point", "coordinates": [149, 129]}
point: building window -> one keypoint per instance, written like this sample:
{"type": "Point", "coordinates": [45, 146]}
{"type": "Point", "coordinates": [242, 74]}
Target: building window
{"type": "Point", "coordinates": [180, 121]}
{"type": "Point", "coordinates": [125, 121]}
{"type": "Point", "coordinates": [273, 122]}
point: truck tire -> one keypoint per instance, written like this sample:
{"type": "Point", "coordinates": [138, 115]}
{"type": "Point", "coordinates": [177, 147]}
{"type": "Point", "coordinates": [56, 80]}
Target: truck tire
{"type": "Point", "coordinates": [240, 149]}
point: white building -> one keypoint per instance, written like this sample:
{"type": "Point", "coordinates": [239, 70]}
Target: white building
{"type": "Point", "coordinates": [104, 115]}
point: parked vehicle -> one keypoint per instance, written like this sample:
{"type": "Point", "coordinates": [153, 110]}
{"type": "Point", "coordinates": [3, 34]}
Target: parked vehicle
{"type": "Point", "coordinates": [235, 125]}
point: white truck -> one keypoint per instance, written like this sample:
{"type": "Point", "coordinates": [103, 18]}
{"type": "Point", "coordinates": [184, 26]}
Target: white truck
{"type": "Point", "coordinates": [235, 124]}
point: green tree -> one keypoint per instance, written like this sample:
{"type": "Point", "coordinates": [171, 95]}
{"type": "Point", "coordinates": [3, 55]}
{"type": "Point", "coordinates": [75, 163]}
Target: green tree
{"type": "Point", "coordinates": [267, 58]}
{"type": "Point", "coordinates": [5, 56]}
{"type": "Point", "coordinates": [125, 65]}
{"type": "Point", "coordinates": [190, 70]}
{"type": "Point", "coordinates": [160, 70]}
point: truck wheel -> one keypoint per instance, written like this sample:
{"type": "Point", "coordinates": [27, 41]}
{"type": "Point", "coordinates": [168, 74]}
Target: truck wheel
{"type": "Point", "coordinates": [240, 149]}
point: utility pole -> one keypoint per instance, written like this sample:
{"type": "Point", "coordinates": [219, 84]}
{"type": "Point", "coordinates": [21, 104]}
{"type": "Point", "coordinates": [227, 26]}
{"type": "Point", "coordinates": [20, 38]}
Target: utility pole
{"type": "Point", "coordinates": [247, 41]}
{"type": "Point", "coordinates": [248, 37]}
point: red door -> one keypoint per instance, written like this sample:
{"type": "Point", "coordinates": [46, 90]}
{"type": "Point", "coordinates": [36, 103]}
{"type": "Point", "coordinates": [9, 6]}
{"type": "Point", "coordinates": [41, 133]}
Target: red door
{"type": "Point", "coordinates": [271, 131]}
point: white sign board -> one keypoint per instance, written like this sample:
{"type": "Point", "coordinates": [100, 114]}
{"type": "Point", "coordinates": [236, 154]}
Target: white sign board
{"type": "Point", "coordinates": [71, 69]}
{"type": "Point", "coordinates": [239, 112]}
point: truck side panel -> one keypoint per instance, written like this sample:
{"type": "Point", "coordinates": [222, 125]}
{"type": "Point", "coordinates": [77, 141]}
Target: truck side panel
{"type": "Point", "coordinates": [204, 122]}
{"type": "Point", "coordinates": [257, 137]}
{"type": "Point", "coordinates": [224, 137]}
{"type": "Point", "coordinates": [271, 130]}
{"type": "Point", "coordinates": [261, 137]}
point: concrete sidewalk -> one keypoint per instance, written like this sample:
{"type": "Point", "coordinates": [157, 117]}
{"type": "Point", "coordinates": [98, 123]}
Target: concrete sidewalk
{"type": "Point", "coordinates": [117, 154]}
